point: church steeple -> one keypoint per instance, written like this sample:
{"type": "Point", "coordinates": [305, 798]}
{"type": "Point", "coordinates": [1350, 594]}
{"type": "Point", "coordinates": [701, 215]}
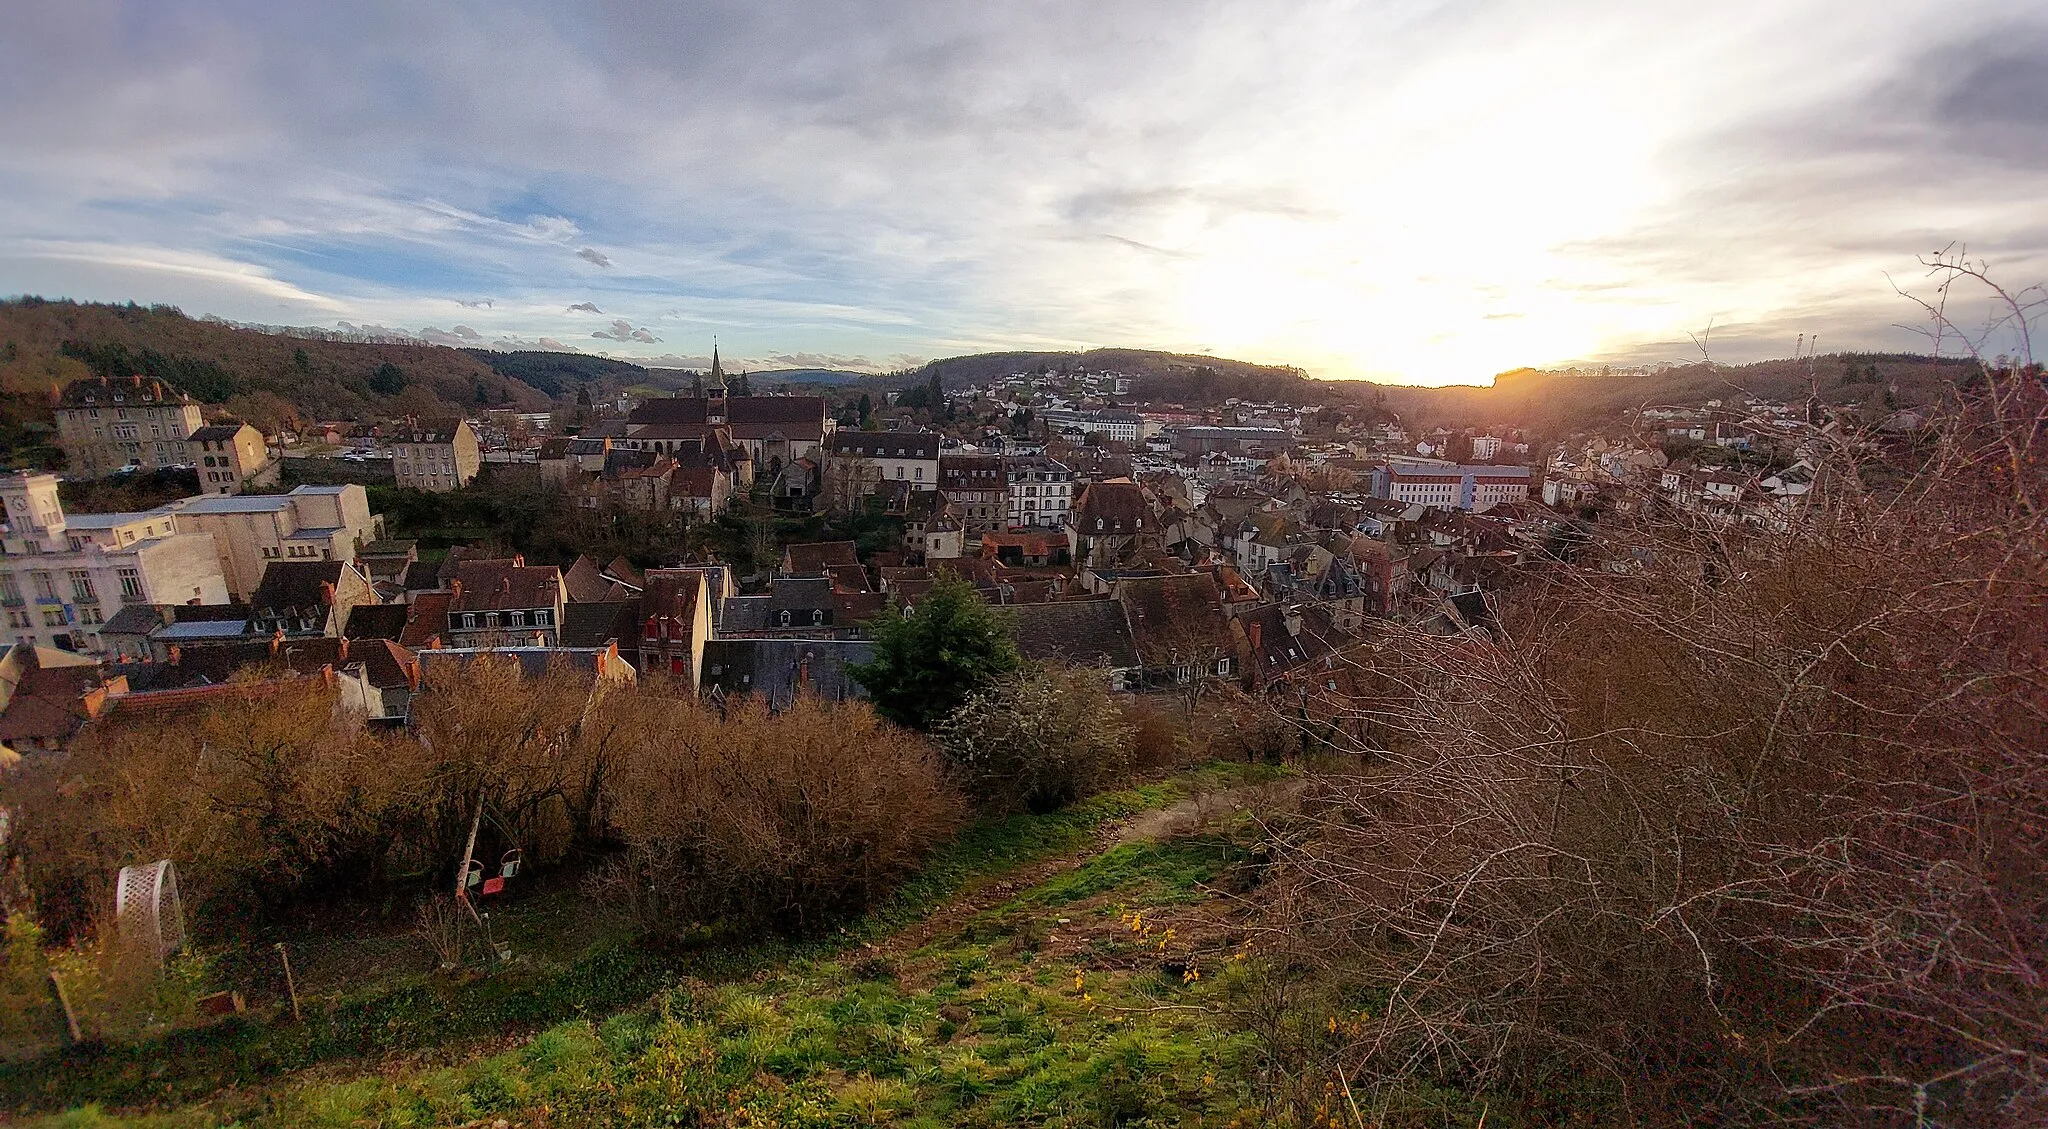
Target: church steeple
{"type": "Point", "coordinates": [717, 371]}
{"type": "Point", "coordinates": [714, 392]}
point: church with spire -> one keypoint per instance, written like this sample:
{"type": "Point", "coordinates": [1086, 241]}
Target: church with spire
{"type": "Point", "coordinates": [770, 432]}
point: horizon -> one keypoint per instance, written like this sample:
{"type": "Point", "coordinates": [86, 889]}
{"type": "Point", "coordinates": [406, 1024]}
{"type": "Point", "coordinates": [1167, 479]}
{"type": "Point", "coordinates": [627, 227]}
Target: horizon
{"type": "Point", "coordinates": [1415, 194]}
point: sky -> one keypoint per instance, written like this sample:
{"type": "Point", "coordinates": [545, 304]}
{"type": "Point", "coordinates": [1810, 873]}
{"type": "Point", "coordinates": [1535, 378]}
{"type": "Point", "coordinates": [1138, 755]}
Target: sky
{"type": "Point", "coordinates": [1393, 189]}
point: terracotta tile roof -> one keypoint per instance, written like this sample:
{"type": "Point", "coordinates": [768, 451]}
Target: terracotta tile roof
{"type": "Point", "coordinates": [425, 618]}
{"type": "Point", "coordinates": [813, 558]}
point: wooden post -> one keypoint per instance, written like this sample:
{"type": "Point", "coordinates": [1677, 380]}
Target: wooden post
{"type": "Point", "coordinates": [469, 851]}
{"type": "Point", "coordinates": [70, 1017]}
{"type": "Point", "coordinates": [290, 985]}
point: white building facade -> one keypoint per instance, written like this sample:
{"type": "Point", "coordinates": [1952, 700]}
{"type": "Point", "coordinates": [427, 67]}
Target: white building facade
{"type": "Point", "coordinates": [60, 582]}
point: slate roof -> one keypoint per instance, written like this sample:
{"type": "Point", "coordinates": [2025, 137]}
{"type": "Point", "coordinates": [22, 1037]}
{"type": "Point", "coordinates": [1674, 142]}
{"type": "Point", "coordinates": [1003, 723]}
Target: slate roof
{"type": "Point", "coordinates": [217, 432]}
{"type": "Point", "coordinates": [885, 444]}
{"type": "Point", "coordinates": [375, 621]}
{"type": "Point", "coordinates": [585, 582]}
{"type": "Point", "coordinates": [1119, 505]}
{"type": "Point", "coordinates": [596, 623]}
{"type": "Point", "coordinates": [775, 668]}
{"type": "Point", "coordinates": [1083, 632]}
{"type": "Point", "coordinates": [1172, 614]}
{"type": "Point", "coordinates": [290, 586]}
{"type": "Point", "coordinates": [494, 584]}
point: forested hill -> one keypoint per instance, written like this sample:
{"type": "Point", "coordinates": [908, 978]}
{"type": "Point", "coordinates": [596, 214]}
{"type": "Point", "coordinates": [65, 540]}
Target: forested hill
{"type": "Point", "coordinates": [1527, 397]}
{"type": "Point", "coordinates": [265, 378]}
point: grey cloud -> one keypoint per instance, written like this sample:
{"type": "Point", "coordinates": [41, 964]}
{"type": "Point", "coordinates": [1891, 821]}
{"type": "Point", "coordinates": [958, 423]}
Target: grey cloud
{"type": "Point", "coordinates": [551, 343]}
{"type": "Point", "coordinates": [623, 330]}
{"type": "Point", "coordinates": [593, 255]}
{"type": "Point", "coordinates": [479, 304]}
{"type": "Point", "coordinates": [585, 307]}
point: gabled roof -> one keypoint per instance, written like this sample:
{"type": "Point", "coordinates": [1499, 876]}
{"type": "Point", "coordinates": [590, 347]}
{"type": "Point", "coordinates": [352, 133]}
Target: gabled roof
{"type": "Point", "coordinates": [885, 444]}
{"type": "Point", "coordinates": [814, 558]}
{"type": "Point", "coordinates": [494, 584]}
{"type": "Point", "coordinates": [1118, 504]}
{"type": "Point", "coordinates": [585, 582]}
{"type": "Point", "coordinates": [597, 623]}
{"type": "Point", "coordinates": [425, 618]}
{"type": "Point", "coordinates": [1083, 632]}
{"type": "Point", "coordinates": [1174, 615]}
{"type": "Point", "coordinates": [778, 669]}
{"type": "Point", "coordinates": [218, 432]}
{"type": "Point", "coordinates": [298, 586]}
{"type": "Point", "coordinates": [375, 621]}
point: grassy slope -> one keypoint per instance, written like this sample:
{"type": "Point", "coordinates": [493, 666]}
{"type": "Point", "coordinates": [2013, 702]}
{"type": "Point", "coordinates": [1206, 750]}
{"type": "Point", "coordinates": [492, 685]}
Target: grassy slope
{"type": "Point", "coordinates": [967, 1013]}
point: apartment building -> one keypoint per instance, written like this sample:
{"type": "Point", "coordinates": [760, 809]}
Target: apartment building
{"type": "Point", "coordinates": [62, 579]}
{"type": "Point", "coordinates": [979, 490]}
{"type": "Point", "coordinates": [1450, 486]}
{"type": "Point", "coordinates": [436, 456]}
{"type": "Point", "coordinates": [311, 523]}
{"type": "Point", "coordinates": [1041, 490]}
{"type": "Point", "coordinates": [106, 424]}
{"type": "Point", "coordinates": [895, 456]}
{"type": "Point", "coordinates": [229, 456]}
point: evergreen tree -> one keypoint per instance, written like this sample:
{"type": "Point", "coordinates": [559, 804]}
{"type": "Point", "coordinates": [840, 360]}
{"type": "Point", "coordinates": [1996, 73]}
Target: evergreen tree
{"type": "Point", "coordinates": [929, 659]}
{"type": "Point", "coordinates": [867, 409]}
{"type": "Point", "coordinates": [388, 380]}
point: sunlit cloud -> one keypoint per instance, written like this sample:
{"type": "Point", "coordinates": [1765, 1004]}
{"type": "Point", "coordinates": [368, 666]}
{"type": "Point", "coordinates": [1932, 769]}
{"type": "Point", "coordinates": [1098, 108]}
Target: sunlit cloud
{"type": "Point", "coordinates": [1414, 191]}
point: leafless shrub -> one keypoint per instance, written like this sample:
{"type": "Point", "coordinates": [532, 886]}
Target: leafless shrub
{"type": "Point", "coordinates": [1752, 824]}
{"type": "Point", "coordinates": [443, 926]}
{"type": "Point", "coordinates": [786, 818]}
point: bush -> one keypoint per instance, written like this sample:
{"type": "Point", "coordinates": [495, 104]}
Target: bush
{"type": "Point", "coordinates": [1039, 740]}
{"type": "Point", "coordinates": [788, 819]}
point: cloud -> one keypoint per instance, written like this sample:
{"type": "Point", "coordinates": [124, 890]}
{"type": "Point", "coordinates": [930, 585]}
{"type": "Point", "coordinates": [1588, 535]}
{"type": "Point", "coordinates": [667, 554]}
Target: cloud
{"type": "Point", "coordinates": [623, 330]}
{"type": "Point", "coordinates": [1322, 183]}
{"type": "Point", "coordinates": [585, 307]}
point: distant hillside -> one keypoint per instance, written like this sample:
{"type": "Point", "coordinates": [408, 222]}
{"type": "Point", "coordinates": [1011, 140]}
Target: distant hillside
{"type": "Point", "coordinates": [560, 374]}
{"type": "Point", "coordinates": [263, 377]}
{"type": "Point", "coordinates": [1553, 400]}
{"type": "Point", "coordinates": [769, 378]}
{"type": "Point", "coordinates": [1529, 397]}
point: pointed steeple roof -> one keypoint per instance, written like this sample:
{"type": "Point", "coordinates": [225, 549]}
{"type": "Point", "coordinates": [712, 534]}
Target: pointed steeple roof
{"type": "Point", "coordinates": [717, 370]}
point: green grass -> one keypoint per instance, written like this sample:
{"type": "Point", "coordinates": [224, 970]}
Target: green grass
{"type": "Point", "coordinates": [973, 1028]}
{"type": "Point", "coordinates": [612, 975]}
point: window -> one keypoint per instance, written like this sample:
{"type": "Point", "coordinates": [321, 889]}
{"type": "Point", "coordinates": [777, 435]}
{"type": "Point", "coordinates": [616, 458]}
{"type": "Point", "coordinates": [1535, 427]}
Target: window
{"type": "Point", "coordinates": [818, 616]}
{"type": "Point", "coordinates": [1223, 666]}
{"type": "Point", "coordinates": [53, 617]}
{"type": "Point", "coordinates": [543, 618]}
{"type": "Point", "coordinates": [490, 619]}
{"type": "Point", "coordinates": [517, 619]}
{"type": "Point", "coordinates": [10, 591]}
{"type": "Point", "coordinates": [468, 621]}
{"type": "Point", "coordinates": [782, 618]}
{"type": "Point", "coordinates": [81, 587]}
{"type": "Point", "coordinates": [46, 585]}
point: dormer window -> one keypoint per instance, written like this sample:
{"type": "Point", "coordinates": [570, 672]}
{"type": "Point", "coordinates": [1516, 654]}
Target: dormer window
{"type": "Point", "coordinates": [818, 616]}
{"type": "Point", "coordinates": [782, 618]}
{"type": "Point", "coordinates": [1098, 525]}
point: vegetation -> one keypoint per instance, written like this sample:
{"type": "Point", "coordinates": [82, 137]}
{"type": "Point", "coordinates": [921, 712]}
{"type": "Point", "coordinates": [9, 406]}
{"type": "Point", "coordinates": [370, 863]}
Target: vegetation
{"type": "Point", "coordinates": [1039, 739]}
{"type": "Point", "coordinates": [929, 658]}
{"type": "Point", "coordinates": [1728, 826]}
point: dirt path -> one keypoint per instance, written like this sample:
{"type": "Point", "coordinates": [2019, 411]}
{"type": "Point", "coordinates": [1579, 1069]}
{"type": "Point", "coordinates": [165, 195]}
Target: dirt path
{"type": "Point", "coordinates": [1184, 818]}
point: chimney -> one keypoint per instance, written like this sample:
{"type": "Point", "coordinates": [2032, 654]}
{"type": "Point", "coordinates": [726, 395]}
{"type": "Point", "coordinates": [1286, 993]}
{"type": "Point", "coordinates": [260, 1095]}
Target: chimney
{"type": "Point", "coordinates": [342, 645]}
{"type": "Point", "coordinates": [327, 593]}
{"type": "Point", "coordinates": [455, 587]}
{"type": "Point", "coordinates": [1293, 618]}
{"type": "Point", "coordinates": [276, 642]}
{"type": "Point", "coordinates": [177, 654]}
{"type": "Point", "coordinates": [1255, 636]}
{"type": "Point", "coordinates": [519, 560]}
